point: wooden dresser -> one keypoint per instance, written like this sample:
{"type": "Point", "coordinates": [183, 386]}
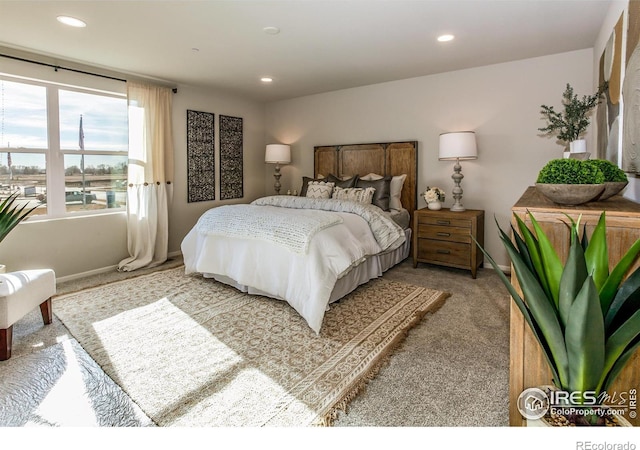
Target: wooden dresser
{"type": "Point", "coordinates": [528, 367]}
{"type": "Point", "coordinates": [445, 238]}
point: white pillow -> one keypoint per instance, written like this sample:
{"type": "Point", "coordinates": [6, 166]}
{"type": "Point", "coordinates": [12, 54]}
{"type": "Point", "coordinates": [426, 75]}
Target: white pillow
{"type": "Point", "coordinates": [362, 195]}
{"type": "Point", "coordinates": [319, 189]}
{"type": "Point", "coordinates": [396, 191]}
{"type": "Point", "coordinates": [371, 177]}
{"type": "Point", "coordinates": [397, 183]}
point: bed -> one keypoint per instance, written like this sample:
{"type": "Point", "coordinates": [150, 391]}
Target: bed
{"type": "Point", "coordinates": [335, 245]}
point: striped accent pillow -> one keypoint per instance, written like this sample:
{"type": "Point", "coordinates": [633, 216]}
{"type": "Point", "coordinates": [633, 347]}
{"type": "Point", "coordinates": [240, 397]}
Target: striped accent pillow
{"type": "Point", "coordinates": [362, 195]}
{"type": "Point", "coordinates": [319, 189]}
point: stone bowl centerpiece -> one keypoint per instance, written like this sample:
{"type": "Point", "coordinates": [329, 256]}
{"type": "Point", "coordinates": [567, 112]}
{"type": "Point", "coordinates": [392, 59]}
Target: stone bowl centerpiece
{"type": "Point", "coordinates": [570, 181]}
{"type": "Point", "coordinates": [615, 179]}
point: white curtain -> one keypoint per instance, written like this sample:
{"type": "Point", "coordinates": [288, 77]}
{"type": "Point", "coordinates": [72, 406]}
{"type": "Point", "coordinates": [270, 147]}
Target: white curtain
{"type": "Point", "coordinates": [150, 174]}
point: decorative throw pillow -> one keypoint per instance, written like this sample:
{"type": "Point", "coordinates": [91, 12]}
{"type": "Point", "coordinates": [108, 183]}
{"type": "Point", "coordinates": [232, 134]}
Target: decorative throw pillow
{"type": "Point", "coordinates": [319, 189]}
{"type": "Point", "coordinates": [305, 183]}
{"type": "Point", "coordinates": [397, 182]}
{"type": "Point", "coordinates": [362, 195]}
{"type": "Point", "coordinates": [383, 191]}
{"type": "Point", "coordinates": [371, 177]}
{"type": "Point", "coordinates": [344, 182]}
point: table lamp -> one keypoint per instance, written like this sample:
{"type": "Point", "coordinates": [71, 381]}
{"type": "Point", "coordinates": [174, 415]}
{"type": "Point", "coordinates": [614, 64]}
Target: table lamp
{"type": "Point", "coordinates": [458, 145]}
{"type": "Point", "coordinates": [277, 154]}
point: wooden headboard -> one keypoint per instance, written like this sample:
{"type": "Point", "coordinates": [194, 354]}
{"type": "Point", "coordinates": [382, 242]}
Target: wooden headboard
{"type": "Point", "coordinates": [387, 159]}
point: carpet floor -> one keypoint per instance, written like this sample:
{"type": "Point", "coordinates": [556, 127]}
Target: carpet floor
{"type": "Point", "coordinates": [455, 360]}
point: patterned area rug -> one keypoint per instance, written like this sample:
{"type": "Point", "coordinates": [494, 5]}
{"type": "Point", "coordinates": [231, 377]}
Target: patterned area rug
{"type": "Point", "coordinates": [194, 352]}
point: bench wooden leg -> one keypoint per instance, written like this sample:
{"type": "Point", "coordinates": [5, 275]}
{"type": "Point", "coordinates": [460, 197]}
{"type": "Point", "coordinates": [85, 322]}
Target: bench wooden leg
{"type": "Point", "coordinates": [47, 313]}
{"type": "Point", "coordinates": [6, 336]}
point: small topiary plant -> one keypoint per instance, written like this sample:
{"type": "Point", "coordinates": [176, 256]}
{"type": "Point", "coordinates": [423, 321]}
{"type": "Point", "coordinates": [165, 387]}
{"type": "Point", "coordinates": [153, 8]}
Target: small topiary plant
{"type": "Point", "coordinates": [570, 171]}
{"type": "Point", "coordinates": [610, 171]}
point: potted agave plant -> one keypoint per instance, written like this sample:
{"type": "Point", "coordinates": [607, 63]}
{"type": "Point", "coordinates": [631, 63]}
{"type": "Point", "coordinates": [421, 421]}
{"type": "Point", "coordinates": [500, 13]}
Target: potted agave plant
{"type": "Point", "coordinates": [585, 317]}
{"type": "Point", "coordinates": [11, 215]}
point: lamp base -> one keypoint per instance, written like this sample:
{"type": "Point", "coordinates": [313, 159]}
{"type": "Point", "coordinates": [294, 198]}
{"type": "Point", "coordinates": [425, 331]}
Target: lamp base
{"type": "Point", "coordinates": [457, 190]}
{"type": "Point", "coordinates": [277, 184]}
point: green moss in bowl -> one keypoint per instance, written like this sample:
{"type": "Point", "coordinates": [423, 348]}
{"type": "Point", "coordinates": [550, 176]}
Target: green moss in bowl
{"type": "Point", "coordinates": [570, 171]}
{"type": "Point", "coordinates": [615, 180]}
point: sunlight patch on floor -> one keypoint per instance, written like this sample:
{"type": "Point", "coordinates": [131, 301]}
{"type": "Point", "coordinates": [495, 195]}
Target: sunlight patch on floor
{"type": "Point", "coordinates": [67, 403]}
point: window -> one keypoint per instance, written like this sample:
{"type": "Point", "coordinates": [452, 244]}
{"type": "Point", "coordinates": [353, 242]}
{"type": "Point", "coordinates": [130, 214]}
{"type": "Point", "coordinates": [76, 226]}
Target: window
{"type": "Point", "coordinates": [63, 148]}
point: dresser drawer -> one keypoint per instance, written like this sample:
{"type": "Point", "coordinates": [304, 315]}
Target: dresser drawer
{"type": "Point", "coordinates": [444, 233]}
{"type": "Point", "coordinates": [444, 221]}
{"type": "Point", "coordinates": [444, 252]}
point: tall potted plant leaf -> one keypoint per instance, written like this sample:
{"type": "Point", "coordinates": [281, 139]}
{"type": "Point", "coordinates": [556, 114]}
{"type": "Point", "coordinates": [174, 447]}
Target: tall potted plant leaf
{"type": "Point", "coordinates": [11, 214]}
{"type": "Point", "coordinates": [570, 124]}
{"type": "Point", "coordinates": [585, 317]}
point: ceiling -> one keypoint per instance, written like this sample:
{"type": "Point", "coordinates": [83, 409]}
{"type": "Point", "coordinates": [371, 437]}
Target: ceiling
{"type": "Point", "coordinates": [323, 45]}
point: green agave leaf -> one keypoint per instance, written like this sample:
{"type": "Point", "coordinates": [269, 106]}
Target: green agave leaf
{"type": "Point", "coordinates": [620, 364]}
{"type": "Point", "coordinates": [585, 239]}
{"type": "Point", "coordinates": [611, 286]}
{"type": "Point", "coordinates": [573, 276]}
{"type": "Point", "coordinates": [522, 247]}
{"type": "Point", "coordinates": [526, 313]}
{"type": "Point", "coordinates": [597, 254]}
{"type": "Point", "coordinates": [625, 303]}
{"type": "Point", "coordinates": [536, 259]}
{"type": "Point", "coordinates": [584, 337]}
{"type": "Point", "coordinates": [543, 313]}
{"type": "Point", "coordinates": [618, 342]}
{"type": "Point", "coordinates": [11, 215]}
{"type": "Point", "coordinates": [550, 260]}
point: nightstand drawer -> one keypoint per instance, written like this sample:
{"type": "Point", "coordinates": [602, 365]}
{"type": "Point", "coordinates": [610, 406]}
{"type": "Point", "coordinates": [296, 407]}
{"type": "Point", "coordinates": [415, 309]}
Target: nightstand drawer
{"type": "Point", "coordinates": [447, 238]}
{"type": "Point", "coordinates": [443, 252]}
{"type": "Point", "coordinates": [444, 233]}
{"type": "Point", "coordinates": [444, 221]}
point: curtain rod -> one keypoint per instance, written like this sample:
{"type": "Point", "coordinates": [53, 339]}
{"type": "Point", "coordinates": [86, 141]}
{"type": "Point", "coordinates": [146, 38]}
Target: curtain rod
{"type": "Point", "coordinates": [56, 67]}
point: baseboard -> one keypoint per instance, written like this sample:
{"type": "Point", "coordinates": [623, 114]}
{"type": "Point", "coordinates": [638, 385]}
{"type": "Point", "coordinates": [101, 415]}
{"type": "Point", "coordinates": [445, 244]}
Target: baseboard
{"type": "Point", "coordinates": [88, 273]}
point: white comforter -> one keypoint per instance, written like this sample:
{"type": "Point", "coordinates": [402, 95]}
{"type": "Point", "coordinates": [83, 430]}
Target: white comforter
{"type": "Point", "coordinates": [304, 279]}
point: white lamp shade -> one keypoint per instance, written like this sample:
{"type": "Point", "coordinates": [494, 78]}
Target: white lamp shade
{"type": "Point", "coordinates": [278, 154]}
{"type": "Point", "coordinates": [458, 145]}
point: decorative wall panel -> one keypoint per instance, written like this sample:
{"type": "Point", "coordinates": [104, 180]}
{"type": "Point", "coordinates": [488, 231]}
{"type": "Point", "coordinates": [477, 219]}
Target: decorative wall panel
{"type": "Point", "coordinates": [231, 158]}
{"type": "Point", "coordinates": [201, 179]}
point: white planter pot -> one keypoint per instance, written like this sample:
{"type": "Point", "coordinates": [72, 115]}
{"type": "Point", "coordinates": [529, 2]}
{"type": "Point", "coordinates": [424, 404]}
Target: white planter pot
{"type": "Point", "coordinates": [578, 146]}
{"type": "Point", "coordinates": [434, 206]}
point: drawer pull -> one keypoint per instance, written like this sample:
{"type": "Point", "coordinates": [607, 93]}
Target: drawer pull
{"type": "Point", "coordinates": [443, 252]}
{"type": "Point", "coordinates": [444, 234]}
{"type": "Point", "coordinates": [443, 222]}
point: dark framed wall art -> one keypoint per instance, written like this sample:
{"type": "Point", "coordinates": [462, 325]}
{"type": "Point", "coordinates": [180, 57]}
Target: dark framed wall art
{"type": "Point", "coordinates": [231, 157]}
{"type": "Point", "coordinates": [201, 179]}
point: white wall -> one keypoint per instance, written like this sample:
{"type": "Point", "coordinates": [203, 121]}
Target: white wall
{"type": "Point", "coordinates": [183, 215]}
{"type": "Point", "coordinates": [500, 102]}
{"type": "Point", "coordinates": [79, 245]}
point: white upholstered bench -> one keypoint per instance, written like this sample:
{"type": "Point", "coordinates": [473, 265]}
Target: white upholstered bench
{"type": "Point", "coordinates": [20, 293]}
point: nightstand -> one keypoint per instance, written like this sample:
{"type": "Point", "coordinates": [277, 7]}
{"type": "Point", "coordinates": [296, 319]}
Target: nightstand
{"type": "Point", "coordinates": [444, 238]}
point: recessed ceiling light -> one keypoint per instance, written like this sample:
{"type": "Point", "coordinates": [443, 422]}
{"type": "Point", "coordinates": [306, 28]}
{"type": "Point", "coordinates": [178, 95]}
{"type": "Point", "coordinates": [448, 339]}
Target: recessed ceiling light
{"type": "Point", "coordinates": [266, 79]}
{"type": "Point", "coordinates": [271, 30]}
{"type": "Point", "coordinates": [446, 38]}
{"type": "Point", "coordinates": [71, 21]}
